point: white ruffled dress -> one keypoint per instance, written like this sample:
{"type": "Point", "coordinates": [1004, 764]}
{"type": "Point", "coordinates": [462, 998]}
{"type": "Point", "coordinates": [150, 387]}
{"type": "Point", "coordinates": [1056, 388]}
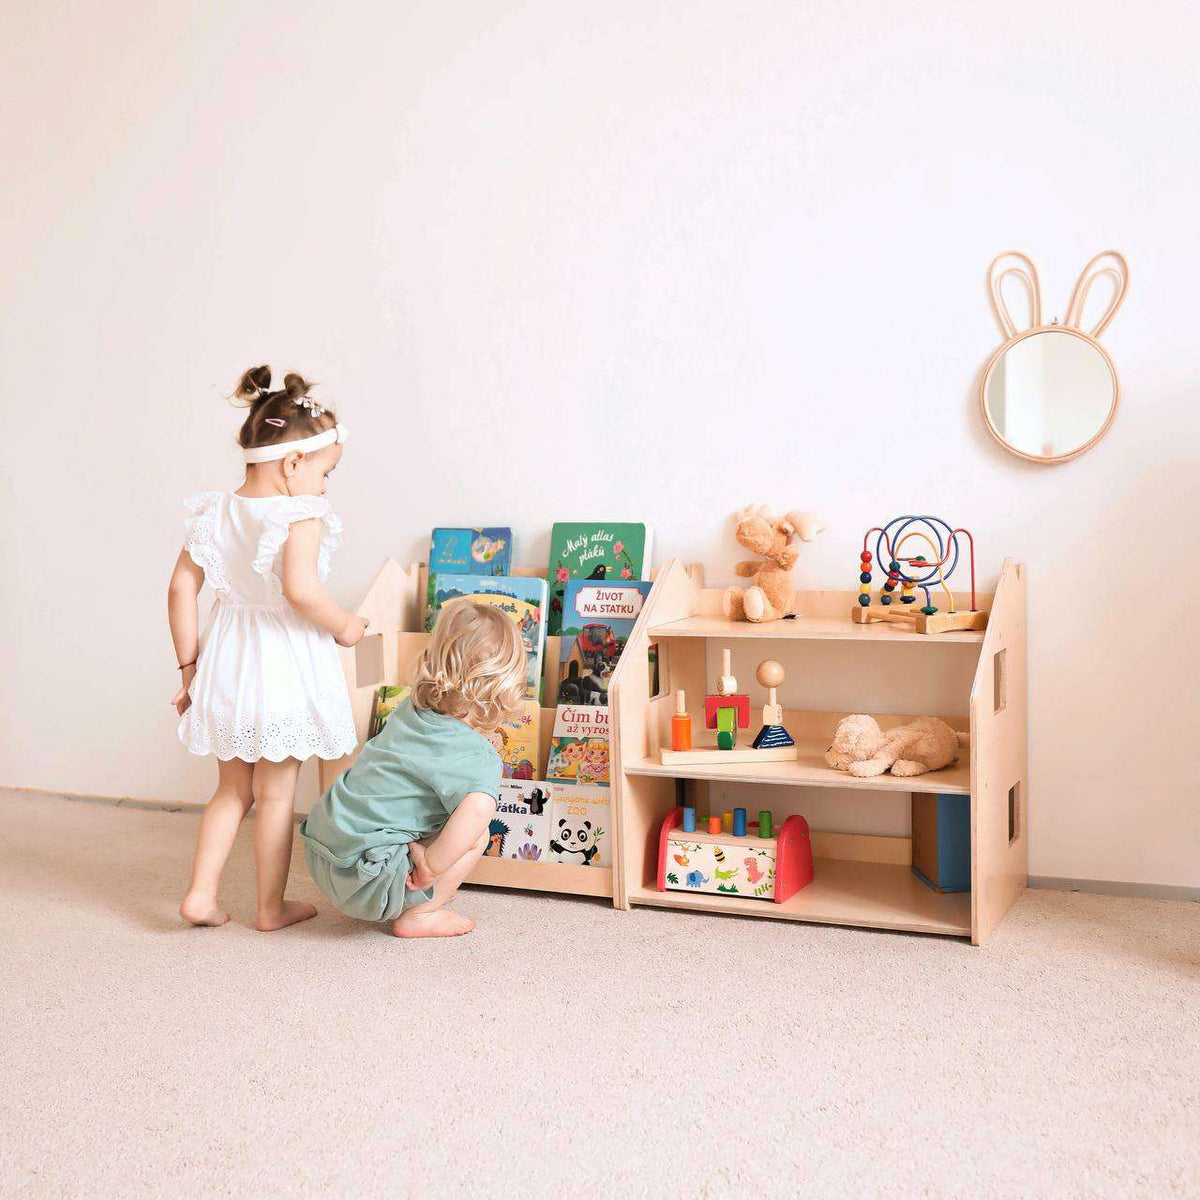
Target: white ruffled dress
{"type": "Point", "coordinates": [269, 683]}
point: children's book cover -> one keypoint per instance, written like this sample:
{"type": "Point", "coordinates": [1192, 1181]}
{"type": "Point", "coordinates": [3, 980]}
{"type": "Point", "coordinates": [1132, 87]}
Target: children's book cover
{"type": "Point", "coordinates": [579, 745]}
{"type": "Point", "coordinates": [521, 826]}
{"type": "Point", "coordinates": [485, 551]}
{"type": "Point", "coordinates": [580, 825]}
{"type": "Point", "coordinates": [384, 704]}
{"type": "Point", "coordinates": [597, 619]}
{"type": "Point", "coordinates": [518, 742]}
{"type": "Point", "coordinates": [522, 597]}
{"type": "Point", "coordinates": [595, 550]}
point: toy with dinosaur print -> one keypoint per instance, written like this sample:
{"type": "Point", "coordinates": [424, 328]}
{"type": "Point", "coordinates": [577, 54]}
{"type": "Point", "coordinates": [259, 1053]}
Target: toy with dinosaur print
{"type": "Point", "coordinates": [740, 858]}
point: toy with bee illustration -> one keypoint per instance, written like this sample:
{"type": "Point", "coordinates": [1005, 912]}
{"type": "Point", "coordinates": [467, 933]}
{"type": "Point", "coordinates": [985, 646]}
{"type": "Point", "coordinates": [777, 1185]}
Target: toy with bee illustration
{"type": "Point", "coordinates": [725, 854]}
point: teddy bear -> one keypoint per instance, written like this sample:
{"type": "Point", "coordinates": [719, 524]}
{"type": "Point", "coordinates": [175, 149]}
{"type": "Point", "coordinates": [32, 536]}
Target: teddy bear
{"type": "Point", "coordinates": [863, 749]}
{"type": "Point", "coordinates": [770, 593]}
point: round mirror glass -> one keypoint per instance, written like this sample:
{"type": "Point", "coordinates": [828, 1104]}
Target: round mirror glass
{"type": "Point", "coordinates": [1050, 394]}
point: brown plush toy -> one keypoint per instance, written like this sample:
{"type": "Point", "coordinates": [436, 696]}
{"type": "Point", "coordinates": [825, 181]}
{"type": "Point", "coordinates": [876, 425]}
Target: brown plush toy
{"type": "Point", "coordinates": [863, 749]}
{"type": "Point", "coordinates": [770, 593]}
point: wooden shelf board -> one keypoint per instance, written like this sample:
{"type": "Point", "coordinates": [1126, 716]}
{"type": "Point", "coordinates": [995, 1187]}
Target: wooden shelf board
{"type": "Point", "coordinates": [873, 895]}
{"type": "Point", "coordinates": [813, 628]}
{"type": "Point", "coordinates": [810, 770]}
{"type": "Point", "coordinates": [543, 876]}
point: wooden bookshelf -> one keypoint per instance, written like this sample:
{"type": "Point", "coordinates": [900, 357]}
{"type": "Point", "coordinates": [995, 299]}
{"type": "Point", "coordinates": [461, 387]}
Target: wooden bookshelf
{"type": "Point", "coordinates": [854, 884]}
{"type": "Point", "coordinates": [394, 603]}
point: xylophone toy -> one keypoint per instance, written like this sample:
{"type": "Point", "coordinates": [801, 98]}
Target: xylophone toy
{"type": "Point", "coordinates": [726, 711]}
{"type": "Point", "coordinates": [729, 856]}
{"type": "Point", "coordinates": [915, 572]}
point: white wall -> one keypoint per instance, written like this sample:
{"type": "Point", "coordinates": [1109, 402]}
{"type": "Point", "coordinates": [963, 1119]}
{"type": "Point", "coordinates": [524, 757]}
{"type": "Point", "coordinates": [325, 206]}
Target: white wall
{"type": "Point", "coordinates": [635, 259]}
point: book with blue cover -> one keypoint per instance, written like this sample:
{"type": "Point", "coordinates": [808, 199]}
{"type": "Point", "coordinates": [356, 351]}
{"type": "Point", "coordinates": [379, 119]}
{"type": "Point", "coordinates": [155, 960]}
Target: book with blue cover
{"type": "Point", "coordinates": [485, 551]}
{"type": "Point", "coordinates": [522, 597]}
{"type": "Point", "coordinates": [597, 619]}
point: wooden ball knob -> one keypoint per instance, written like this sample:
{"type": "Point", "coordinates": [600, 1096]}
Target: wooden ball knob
{"type": "Point", "coordinates": [769, 673]}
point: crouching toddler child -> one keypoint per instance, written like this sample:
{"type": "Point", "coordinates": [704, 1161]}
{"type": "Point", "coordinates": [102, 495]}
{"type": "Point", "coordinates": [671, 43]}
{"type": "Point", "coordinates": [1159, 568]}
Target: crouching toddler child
{"type": "Point", "coordinates": [398, 832]}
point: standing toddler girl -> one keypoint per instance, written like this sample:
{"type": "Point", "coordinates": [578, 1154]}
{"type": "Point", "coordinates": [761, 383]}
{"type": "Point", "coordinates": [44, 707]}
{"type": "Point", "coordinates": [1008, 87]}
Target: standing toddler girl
{"type": "Point", "coordinates": [264, 690]}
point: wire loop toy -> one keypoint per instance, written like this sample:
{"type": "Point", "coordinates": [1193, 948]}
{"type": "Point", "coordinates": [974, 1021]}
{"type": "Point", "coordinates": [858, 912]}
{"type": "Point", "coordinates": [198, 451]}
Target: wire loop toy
{"type": "Point", "coordinates": [916, 571]}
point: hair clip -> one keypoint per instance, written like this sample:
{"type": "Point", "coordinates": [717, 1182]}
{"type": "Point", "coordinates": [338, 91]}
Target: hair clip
{"type": "Point", "coordinates": [279, 424]}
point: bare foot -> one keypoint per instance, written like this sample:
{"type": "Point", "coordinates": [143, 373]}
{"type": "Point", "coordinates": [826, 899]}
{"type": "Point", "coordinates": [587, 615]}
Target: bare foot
{"type": "Point", "coordinates": [420, 876]}
{"type": "Point", "coordinates": [197, 909]}
{"type": "Point", "coordinates": [442, 922]}
{"type": "Point", "coordinates": [291, 912]}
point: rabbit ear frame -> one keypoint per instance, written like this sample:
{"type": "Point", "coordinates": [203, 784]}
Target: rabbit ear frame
{"type": "Point", "coordinates": [1108, 262]}
{"type": "Point", "coordinates": [1024, 270]}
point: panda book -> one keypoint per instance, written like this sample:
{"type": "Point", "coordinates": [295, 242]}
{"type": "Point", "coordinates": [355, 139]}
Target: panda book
{"type": "Point", "coordinates": [579, 745]}
{"type": "Point", "coordinates": [580, 825]}
{"type": "Point", "coordinates": [484, 551]}
{"type": "Point", "coordinates": [600, 551]}
{"type": "Point", "coordinates": [521, 826]}
{"type": "Point", "coordinates": [597, 619]}
{"type": "Point", "coordinates": [522, 597]}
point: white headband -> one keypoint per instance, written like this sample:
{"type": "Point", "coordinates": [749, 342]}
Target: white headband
{"type": "Point", "coordinates": [259, 454]}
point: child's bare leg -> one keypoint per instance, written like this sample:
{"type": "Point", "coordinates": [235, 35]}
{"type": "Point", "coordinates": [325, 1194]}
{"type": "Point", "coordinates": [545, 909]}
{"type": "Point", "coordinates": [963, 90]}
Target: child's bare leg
{"type": "Point", "coordinates": [275, 798]}
{"type": "Point", "coordinates": [445, 862]}
{"type": "Point", "coordinates": [218, 831]}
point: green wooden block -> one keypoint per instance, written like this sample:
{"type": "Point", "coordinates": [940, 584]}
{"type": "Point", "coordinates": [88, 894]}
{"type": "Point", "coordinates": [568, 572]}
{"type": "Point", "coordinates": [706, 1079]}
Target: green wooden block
{"type": "Point", "coordinates": [725, 740]}
{"type": "Point", "coordinates": [726, 720]}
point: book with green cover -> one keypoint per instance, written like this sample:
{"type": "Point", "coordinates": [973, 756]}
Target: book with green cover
{"type": "Point", "coordinates": [384, 704]}
{"type": "Point", "coordinates": [595, 550]}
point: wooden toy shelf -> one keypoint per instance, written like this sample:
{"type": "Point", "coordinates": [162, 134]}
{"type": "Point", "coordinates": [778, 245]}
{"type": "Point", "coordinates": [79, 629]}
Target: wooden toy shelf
{"type": "Point", "coordinates": [859, 879]}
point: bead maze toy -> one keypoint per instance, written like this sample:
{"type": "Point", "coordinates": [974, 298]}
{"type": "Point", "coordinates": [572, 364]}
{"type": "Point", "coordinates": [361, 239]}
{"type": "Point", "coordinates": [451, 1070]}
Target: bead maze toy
{"type": "Point", "coordinates": [916, 571]}
{"type": "Point", "coordinates": [735, 857]}
{"type": "Point", "coordinates": [727, 710]}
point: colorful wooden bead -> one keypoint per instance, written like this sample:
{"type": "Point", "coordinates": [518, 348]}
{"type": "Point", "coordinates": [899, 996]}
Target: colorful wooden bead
{"type": "Point", "coordinates": [928, 609]}
{"type": "Point", "coordinates": [885, 599]}
{"type": "Point", "coordinates": [864, 589]}
{"type": "Point", "coordinates": [865, 600]}
{"type": "Point", "coordinates": [865, 556]}
{"type": "Point", "coordinates": [865, 577]}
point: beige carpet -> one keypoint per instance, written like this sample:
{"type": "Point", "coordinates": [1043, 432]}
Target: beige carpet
{"type": "Point", "coordinates": [565, 1049]}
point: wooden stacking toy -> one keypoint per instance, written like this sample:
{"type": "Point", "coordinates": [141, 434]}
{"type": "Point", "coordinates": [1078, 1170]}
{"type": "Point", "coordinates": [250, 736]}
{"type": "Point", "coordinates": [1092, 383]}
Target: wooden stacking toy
{"type": "Point", "coordinates": [747, 859]}
{"type": "Point", "coordinates": [726, 711]}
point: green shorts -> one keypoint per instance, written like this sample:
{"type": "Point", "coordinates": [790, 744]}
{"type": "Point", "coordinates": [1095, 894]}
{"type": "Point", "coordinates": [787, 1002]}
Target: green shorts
{"type": "Point", "coordinates": [372, 887]}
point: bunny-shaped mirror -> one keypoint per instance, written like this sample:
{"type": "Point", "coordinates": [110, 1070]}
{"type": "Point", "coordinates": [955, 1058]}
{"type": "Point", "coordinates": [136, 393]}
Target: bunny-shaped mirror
{"type": "Point", "coordinates": [1050, 392]}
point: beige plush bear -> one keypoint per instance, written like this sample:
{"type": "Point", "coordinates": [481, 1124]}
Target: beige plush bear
{"type": "Point", "coordinates": [863, 749]}
{"type": "Point", "coordinates": [770, 593]}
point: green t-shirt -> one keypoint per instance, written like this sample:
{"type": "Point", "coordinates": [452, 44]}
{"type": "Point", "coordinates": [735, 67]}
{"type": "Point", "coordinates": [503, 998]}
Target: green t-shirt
{"type": "Point", "coordinates": [404, 785]}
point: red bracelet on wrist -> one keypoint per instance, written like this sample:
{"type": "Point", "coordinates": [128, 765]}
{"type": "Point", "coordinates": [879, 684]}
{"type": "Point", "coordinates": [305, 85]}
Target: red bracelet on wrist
{"type": "Point", "coordinates": [185, 666]}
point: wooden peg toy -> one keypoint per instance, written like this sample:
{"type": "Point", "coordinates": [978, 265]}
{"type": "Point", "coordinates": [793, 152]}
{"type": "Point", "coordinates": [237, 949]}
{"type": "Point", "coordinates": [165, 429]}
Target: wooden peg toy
{"type": "Point", "coordinates": [681, 724]}
{"type": "Point", "coordinates": [726, 683]}
{"type": "Point", "coordinates": [726, 711]}
{"type": "Point", "coordinates": [772, 735]}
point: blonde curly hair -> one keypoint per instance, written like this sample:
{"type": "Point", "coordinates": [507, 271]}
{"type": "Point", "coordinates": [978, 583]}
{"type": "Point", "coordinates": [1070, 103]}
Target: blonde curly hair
{"type": "Point", "coordinates": [474, 667]}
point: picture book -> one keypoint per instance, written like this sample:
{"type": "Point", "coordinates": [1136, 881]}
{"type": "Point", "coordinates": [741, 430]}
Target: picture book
{"type": "Point", "coordinates": [522, 597]}
{"type": "Point", "coordinates": [384, 704]}
{"type": "Point", "coordinates": [521, 826]}
{"type": "Point", "coordinates": [597, 619]}
{"type": "Point", "coordinates": [580, 825]}
{"type": "Point", "coordinates": [595, 550]}
{"type": "Point", "coordinates": [518, 742]}
{"type": "Point", "coordinates": [467, 552]}
{"type": "Point", "coordinates": [579, 746]}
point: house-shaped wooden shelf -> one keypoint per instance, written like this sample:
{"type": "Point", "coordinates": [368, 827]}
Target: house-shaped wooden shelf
{"type": "Point", "coordinates": [859, 879]}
